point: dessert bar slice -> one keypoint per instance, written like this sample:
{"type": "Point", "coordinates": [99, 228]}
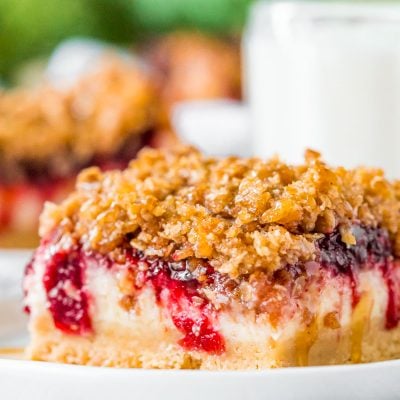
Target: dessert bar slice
{"type": "Point", "coordinates": [48, 135]}
{"type": "Point", "coordinates": [183, 261]}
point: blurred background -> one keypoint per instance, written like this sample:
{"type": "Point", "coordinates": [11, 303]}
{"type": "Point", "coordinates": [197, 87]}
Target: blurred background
{"type": "Point", "coordinates": [90, 82]}
{"type": "Point", "coordinates": [30, 29]}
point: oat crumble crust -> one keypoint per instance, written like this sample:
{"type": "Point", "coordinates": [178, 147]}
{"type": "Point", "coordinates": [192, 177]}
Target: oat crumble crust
{"type": "Point", "coordinates": [94, 117]}
{"type": "Point", "coordinates": [242, 215]}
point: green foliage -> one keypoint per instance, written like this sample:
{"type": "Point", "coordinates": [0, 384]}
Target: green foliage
{"type": "Point", "coordinates": [30, 28]}
{"type": "Point", "coordinates": [213, 15]}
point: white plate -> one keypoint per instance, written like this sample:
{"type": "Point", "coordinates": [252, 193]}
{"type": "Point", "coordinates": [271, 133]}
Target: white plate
{"type": "Point", "coordinates": [46, 381]}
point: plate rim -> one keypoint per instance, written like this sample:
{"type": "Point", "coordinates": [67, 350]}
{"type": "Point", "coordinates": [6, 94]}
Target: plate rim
{"type": "Point", "coordinates": [327, 369]}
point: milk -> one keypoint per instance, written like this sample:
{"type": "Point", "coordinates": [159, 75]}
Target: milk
{"type": "Point", "coordinates": [327, 77]}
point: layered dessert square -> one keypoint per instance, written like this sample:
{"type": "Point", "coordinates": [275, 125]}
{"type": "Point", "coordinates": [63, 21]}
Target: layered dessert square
{"type": "Point", "coordinates": [48, 135]}
{"type": "Point", "coordinates": [185, 261]}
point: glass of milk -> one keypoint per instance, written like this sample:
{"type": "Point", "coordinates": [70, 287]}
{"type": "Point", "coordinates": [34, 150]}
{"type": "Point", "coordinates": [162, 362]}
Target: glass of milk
{"type": "Point", "coordinates": [325, 76]}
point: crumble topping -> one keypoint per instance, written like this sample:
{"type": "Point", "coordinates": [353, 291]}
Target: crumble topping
{"type": "Point", "coordinates": [242, 215]}
{"type": "Point", "coordinates": [91, 119]}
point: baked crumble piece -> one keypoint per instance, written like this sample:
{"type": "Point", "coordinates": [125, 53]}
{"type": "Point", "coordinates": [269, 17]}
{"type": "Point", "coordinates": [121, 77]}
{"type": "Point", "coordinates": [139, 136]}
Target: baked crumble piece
{"type": "Point", "coordinates": [185, 261]}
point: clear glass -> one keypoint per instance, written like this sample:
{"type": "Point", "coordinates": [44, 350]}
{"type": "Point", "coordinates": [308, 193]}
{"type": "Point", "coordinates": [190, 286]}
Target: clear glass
{"type": "Point", "coordinates": [325, 76]}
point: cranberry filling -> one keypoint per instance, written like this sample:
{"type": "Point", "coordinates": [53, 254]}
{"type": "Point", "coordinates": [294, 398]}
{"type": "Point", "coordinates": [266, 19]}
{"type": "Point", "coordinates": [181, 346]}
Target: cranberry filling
{"type": "Point", "coordinates": [5, 201]}
{"type": "Point", "coordinates": [373, 247]}
{"type": "Point", "coordinates": [175, 288]}
{"type": "Point", "coordinates": [179, 293]}
{"type": "Point", "coordinates": [67, 299]}
{"type": "Point", "coordinates": [373, 250]}
{"type": "Point", "coordinates": [178, 289]}
{"type": "Point", "coordinates": [27, 273]}
{"type": "Point", "coordinates": [392, 276]}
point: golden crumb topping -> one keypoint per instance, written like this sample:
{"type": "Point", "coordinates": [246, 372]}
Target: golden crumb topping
{"type": "Point", "coordinates": [92, 118]}
{"type": "Point", "coordinates": [240, 214]}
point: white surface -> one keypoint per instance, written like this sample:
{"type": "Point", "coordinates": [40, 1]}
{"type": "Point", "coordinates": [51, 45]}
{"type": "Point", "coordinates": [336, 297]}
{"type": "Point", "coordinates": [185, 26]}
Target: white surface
{"type": "Point", "coordinates": [216, 127]}
{"type": "Point", "coordinates": [325, 76]}
{"type": "Point", "coordinates": [41, 381]}
{"type": "Point", "coordinates": [12, 319]}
